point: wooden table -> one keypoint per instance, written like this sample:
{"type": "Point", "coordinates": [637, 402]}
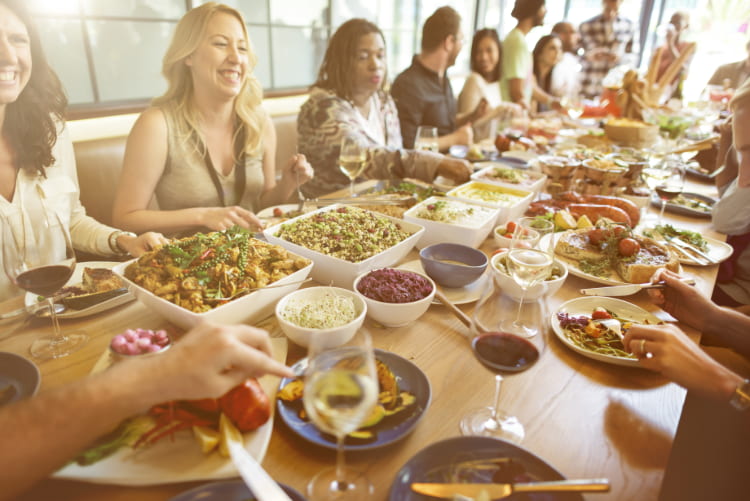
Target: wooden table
{"type": "Point", "coordinates": [586, 418]}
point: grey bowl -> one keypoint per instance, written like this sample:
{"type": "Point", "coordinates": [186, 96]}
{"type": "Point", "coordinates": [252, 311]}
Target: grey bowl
{"type": "Point", "coordinates": [453, 265]}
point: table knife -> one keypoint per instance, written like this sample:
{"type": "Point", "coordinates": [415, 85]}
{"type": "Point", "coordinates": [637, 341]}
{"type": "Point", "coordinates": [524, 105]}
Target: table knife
{"type": "Point", "coordinates": [681, 243]}
{"type": "Point", "coordinates": [500, 491]}
{"type": "Point", "coordinates": [627, 289]}
{"type": "Point", "coordinates": [257, 480]}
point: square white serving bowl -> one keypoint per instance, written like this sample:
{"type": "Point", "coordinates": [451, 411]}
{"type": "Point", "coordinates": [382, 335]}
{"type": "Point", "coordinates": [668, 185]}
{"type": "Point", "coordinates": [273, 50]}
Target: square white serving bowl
{"type": "Point", "coordinates": [246, 309]}
{"type": "Point", "coordinates": [512, 209]}
{"type": "Point", "coordinates": [331, 270]}
{"type": "Point", "coordinates": [528, 179]}
{"type": "Point", "coordinates": [468, 229]}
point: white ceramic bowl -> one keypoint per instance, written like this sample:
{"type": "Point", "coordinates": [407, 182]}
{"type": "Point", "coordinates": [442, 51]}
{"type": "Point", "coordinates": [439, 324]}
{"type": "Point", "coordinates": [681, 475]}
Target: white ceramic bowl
{"type": "Point", "coordinates": [502, 237]}
{"type": "Point", "coordinates": [336, 336]}
{"type": "Point", "coordinates": [482, 193]}
{"type": "Point", "coordinates": [246, 309]}
{"type": "Point", "coordinates": [513, 290]}
{"type": "Point", "coordinates": [526, 179]}
{"type": "Point", "coordinates": [339, 272]}
{"type": "Point", "coordinates": [396, 314]}
{"type": "Point", "coordinates": [470, 225]}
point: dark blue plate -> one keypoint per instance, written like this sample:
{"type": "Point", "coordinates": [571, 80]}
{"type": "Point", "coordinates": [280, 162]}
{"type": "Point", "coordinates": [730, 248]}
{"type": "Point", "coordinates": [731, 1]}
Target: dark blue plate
{"type": "Point", "coordinates": [19, 377]}
{"type": "Point", "coordinates": [234, 490]}
{"type": "Point", "coordinates": [389, 430]}
{"type": "Point", "coordinates": [437, 463]}
{"type": "Point", "coordinates": [683, 209]}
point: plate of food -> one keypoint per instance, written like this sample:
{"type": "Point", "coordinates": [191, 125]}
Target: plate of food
{"type": "Point", "coordinates": [232, 490]}
{"type": "Point", "coordinates": [473, 153]}
{"type": "Point", "coordinates": [716, 249]}
{"type": "Point", "coordinates": [687, 204]}
{"type": "Point", "coordinates": [172, 458]}
{"type": "Point", "coordinates": [280, 213]}
{"type": "Point", "coordinates": [405, 395]}
{"type": "Point", "coordinates": [93, 288]}
{"type": "Point", "coordinates": [475, 460]}
{"type": "Point", "coordinates": [611, 255]}
{"type": "Point", "coordinates": [590, 326]}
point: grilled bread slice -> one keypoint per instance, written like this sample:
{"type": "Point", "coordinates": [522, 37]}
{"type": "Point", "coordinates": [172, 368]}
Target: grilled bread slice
{"type": "Point", "coordinates": [100, 280]}
{"type": "Point", "coordinates": [651, 257]}
{"type": "Point", "coordinates": [575, 244]}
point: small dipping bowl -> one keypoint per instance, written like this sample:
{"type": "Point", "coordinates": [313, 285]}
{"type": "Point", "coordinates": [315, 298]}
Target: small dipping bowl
{"type": "Point", "coordinates": [139, 343]}
{"type": "Point", "coordinates": [392, 313]}
{"type": "Point", "coordinates": [453, 265]}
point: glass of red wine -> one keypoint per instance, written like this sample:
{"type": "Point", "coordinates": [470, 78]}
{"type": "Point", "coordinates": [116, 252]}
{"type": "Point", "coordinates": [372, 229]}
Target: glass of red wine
{"type": "Point", "coordinates": [502, 353]}
{"type": "Point", "coordinates": [38, 257]}
{"type": "Point", "coordinates": [671, 186]}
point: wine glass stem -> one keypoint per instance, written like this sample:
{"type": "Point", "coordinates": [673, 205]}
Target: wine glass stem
{"type": "Point", "coordinates": [661, 211]}
{"type": "Point", "coordinates": [351, 187]}
{"type": "Point", "coordinates": [340, 474]}
{"type": "Point", "coordinates": [55, 324]}
{"type": "Point", "coordinates": [496, 403]}
{"type": "Point", "coordinates": [520, 305]}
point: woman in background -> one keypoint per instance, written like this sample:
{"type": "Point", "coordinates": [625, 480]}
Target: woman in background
{"type": "Point", "coordinates": [349, 100]}
{"type": "Point", "coordinates": [206, 148]}
{"type": "Point", "coordinates": [547, 53]}
{"type": "Point", "coordinates": [37, 165]}
{"type": "Point", "coordinates": [484, 82]}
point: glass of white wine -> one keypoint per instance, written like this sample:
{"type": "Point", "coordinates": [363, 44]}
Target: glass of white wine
{"type": "Point", "coordinates": [352, 160]}
{"type": "Point", "coordinates": [573, 105]}
{"type": "Point", "coordinates": [341, 390]}
{"type": "Point", "coordinates": [427, 139]}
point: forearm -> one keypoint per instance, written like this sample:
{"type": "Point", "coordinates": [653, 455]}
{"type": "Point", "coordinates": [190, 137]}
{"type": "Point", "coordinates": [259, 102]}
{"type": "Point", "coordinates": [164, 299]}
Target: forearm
{"type": "Point", "coordinates": [281, 193]}
{"type": "Point", "coordinates": [48, 430]}
{"type": "Point", "coordinates": [164, 221]}
{"type": "Point", "coordinates": [516, 91]}
{"type": "Point", "coordinates": [731, 327]}
{"type": "Point", "coordinates": [445, 142]}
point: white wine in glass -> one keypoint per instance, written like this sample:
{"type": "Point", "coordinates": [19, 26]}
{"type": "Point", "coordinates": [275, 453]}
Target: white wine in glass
{"type": "Point", "coordinates": [426, 139]}
{"type": "Point", "coordinates": [341, 390]}
{"type": "Point", "coordinates": [352, 160]}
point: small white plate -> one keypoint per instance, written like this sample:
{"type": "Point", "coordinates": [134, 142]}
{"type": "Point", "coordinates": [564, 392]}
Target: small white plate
{"type": "Point", "coordinates": [76, 278]}
{"type": "Point", "coordinates": [456, 295]}
{"type": "Point", "coordinates": [267, 215]}
{"type": "Point", "coordinates": [584, 306]}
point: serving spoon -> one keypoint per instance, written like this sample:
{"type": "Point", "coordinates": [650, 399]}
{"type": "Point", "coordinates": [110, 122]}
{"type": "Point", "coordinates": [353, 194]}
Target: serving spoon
{"type": "Point", "coordinates": [243, 292]}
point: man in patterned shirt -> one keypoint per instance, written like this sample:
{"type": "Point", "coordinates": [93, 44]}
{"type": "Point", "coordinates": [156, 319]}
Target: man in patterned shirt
{"type": "Point", "coordinates": [607, 41]}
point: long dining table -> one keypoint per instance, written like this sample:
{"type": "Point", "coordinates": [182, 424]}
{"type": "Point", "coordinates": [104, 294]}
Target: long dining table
{"type": "Point", "coordinates": [586, 418]}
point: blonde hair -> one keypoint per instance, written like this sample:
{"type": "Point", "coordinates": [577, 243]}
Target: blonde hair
{"type": "Point", "coordinates": [742, 94]}
{"type": "Point", "coordinates": [250, 116]}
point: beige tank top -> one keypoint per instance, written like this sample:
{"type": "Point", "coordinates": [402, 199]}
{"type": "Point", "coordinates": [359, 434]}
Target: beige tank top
{"type": "Point", "coordinates": [186, 181]}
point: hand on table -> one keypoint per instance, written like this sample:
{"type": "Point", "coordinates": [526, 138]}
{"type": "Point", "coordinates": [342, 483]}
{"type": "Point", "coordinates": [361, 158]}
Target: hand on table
{"type": "Point", "coordinates": [136, 246]}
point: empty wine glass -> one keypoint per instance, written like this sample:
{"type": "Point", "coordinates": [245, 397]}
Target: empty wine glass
{"type": "Point", "coordinates": [352, 160]}
{"type": "Point", "coordinates": [38, 257]}
{"type": "Point", "coordinates": [341, 390]}
{"type": "Point", "coordinates": [426, 138]}
{"type": "Point", "coordinates": [503, 353]}
{"type": "Point", "coordinates": [671, 186]}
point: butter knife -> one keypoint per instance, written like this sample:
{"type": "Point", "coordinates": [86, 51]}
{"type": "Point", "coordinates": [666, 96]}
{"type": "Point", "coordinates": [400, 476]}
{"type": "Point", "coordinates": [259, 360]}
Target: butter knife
{"type": "Point", "coordinates": [684, 245]}
{"type": "Point", "coordinates": [257, 480]}
{"type": "Point", "coordinates": [627, 289]}
{"type": "Point", "coordinates": [500, 491]}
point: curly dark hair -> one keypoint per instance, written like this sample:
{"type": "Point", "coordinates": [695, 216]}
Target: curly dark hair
{"type": "Point", "coordinates": [337, 67]}
{"type": "Point", "coordinates": [490, 33]}
{"type": "Point", "coordinates": [30, 123]}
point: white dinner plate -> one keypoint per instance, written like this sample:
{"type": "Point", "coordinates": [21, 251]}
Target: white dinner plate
{"type": "Point", "coordinates": [179, 460]}
{"type": "Point", "coordinates": [612, 279]}
{"type": "Point", "coordinates": [584, 306]}
{"type": "Point", "coordinates": [267, 216]}
{"type": "Point", "coordinates": [76, 278]}
{"type": "Point", "coordinates": [718, 250]}
{"type": "Point", "coordinates": [456, 295]}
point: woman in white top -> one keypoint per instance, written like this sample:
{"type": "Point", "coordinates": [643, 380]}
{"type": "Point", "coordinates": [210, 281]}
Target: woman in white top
{"type": "Point", "coordinates": [206, 149]}
{"type": "Point", "coordinates": [36, 154]}
{"type": "Point", "coordinates": [484, 83]}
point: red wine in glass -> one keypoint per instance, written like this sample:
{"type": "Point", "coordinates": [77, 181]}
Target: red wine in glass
{"type": "Point", "coordinates": [504, 352]}
{"type": "Point", "coordinates": [44, 280]}
{"type": "Point", "coordinates": [667, 192]}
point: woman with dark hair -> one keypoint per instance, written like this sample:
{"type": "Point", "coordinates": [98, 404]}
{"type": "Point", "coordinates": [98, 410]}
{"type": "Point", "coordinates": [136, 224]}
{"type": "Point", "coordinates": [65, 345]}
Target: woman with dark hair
{"type": "Point", "coordinates": [547, 53]}
{"type": "Point", "coordinates": [484, 82]}
{"type": "Point", "coordinates": [37, 165]}
{"type": "Point", "coordinates": [350, 99]}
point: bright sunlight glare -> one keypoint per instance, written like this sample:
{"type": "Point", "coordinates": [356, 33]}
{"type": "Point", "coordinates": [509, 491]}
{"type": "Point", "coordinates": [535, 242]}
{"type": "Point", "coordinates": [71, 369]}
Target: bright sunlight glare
{"type": "Point", "coordinates": [55, 6]}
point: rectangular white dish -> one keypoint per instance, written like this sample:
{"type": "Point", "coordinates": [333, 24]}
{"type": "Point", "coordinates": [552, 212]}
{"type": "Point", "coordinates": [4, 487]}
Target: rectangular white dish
{"type": "Point", "coordinates": [523, 179]}
{"type": "Point", "coordinates": [463, 222]}
{"type": "Point", "coordinates": [330, 270]}
{"type": "Point", "coordinates": [512, 202]}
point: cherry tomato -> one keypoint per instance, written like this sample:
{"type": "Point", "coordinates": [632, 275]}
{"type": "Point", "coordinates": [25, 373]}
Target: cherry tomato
{"type": "Point", "coordinates": [628, 247]}
{"type": "Point", "coordinates": [499, 251]}
{"type": "Point", "coordinates": [596, 236]}
{"type": "Point", "coordinates": [510, 227]}
{"type": "Point", "coordinates": [618, 230]}
{"type": "Point", "coordinates": [277, 212]}
{"type": "Point", "coordinates": [600, 314]}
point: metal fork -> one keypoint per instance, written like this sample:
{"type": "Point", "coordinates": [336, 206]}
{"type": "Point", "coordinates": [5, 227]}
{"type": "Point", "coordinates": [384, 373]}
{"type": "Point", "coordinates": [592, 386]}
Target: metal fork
{"type": "Point", "coordinates": [300, 196]}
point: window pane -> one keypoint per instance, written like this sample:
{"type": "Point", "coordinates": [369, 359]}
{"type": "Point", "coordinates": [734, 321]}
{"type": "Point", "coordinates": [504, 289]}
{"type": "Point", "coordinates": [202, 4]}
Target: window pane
{"type": "Point", "coordinates": [127, 58]}
{"type": "Point", "coordinates": [53, 7]}
{"type": "Point", "coordinates": [300, 12]}
{"type": "Point", "coordinates": [297, 54]}
{"type": "Point", "coordinates": [152, 9]}
{"type": "Point", "coordinates": [343, 10]}
{"type": "Point", "coordinates": [259, 41]}
{"type": "Point", "coordinates": [254, 11]}
{"type": "Point", "coordinates": [400, 48]}
{"type": "Point", "coordinates": [62, 41]}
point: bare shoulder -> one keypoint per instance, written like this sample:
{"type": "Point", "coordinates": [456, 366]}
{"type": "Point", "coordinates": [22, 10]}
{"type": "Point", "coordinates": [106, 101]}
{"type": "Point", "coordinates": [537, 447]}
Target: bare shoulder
{"type": "Point", "coordinates": [151, 121]}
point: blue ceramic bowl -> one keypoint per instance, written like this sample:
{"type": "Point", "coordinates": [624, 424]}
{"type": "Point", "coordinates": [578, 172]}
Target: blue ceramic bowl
{"type": "Point", "coordinates": [453, 265]}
